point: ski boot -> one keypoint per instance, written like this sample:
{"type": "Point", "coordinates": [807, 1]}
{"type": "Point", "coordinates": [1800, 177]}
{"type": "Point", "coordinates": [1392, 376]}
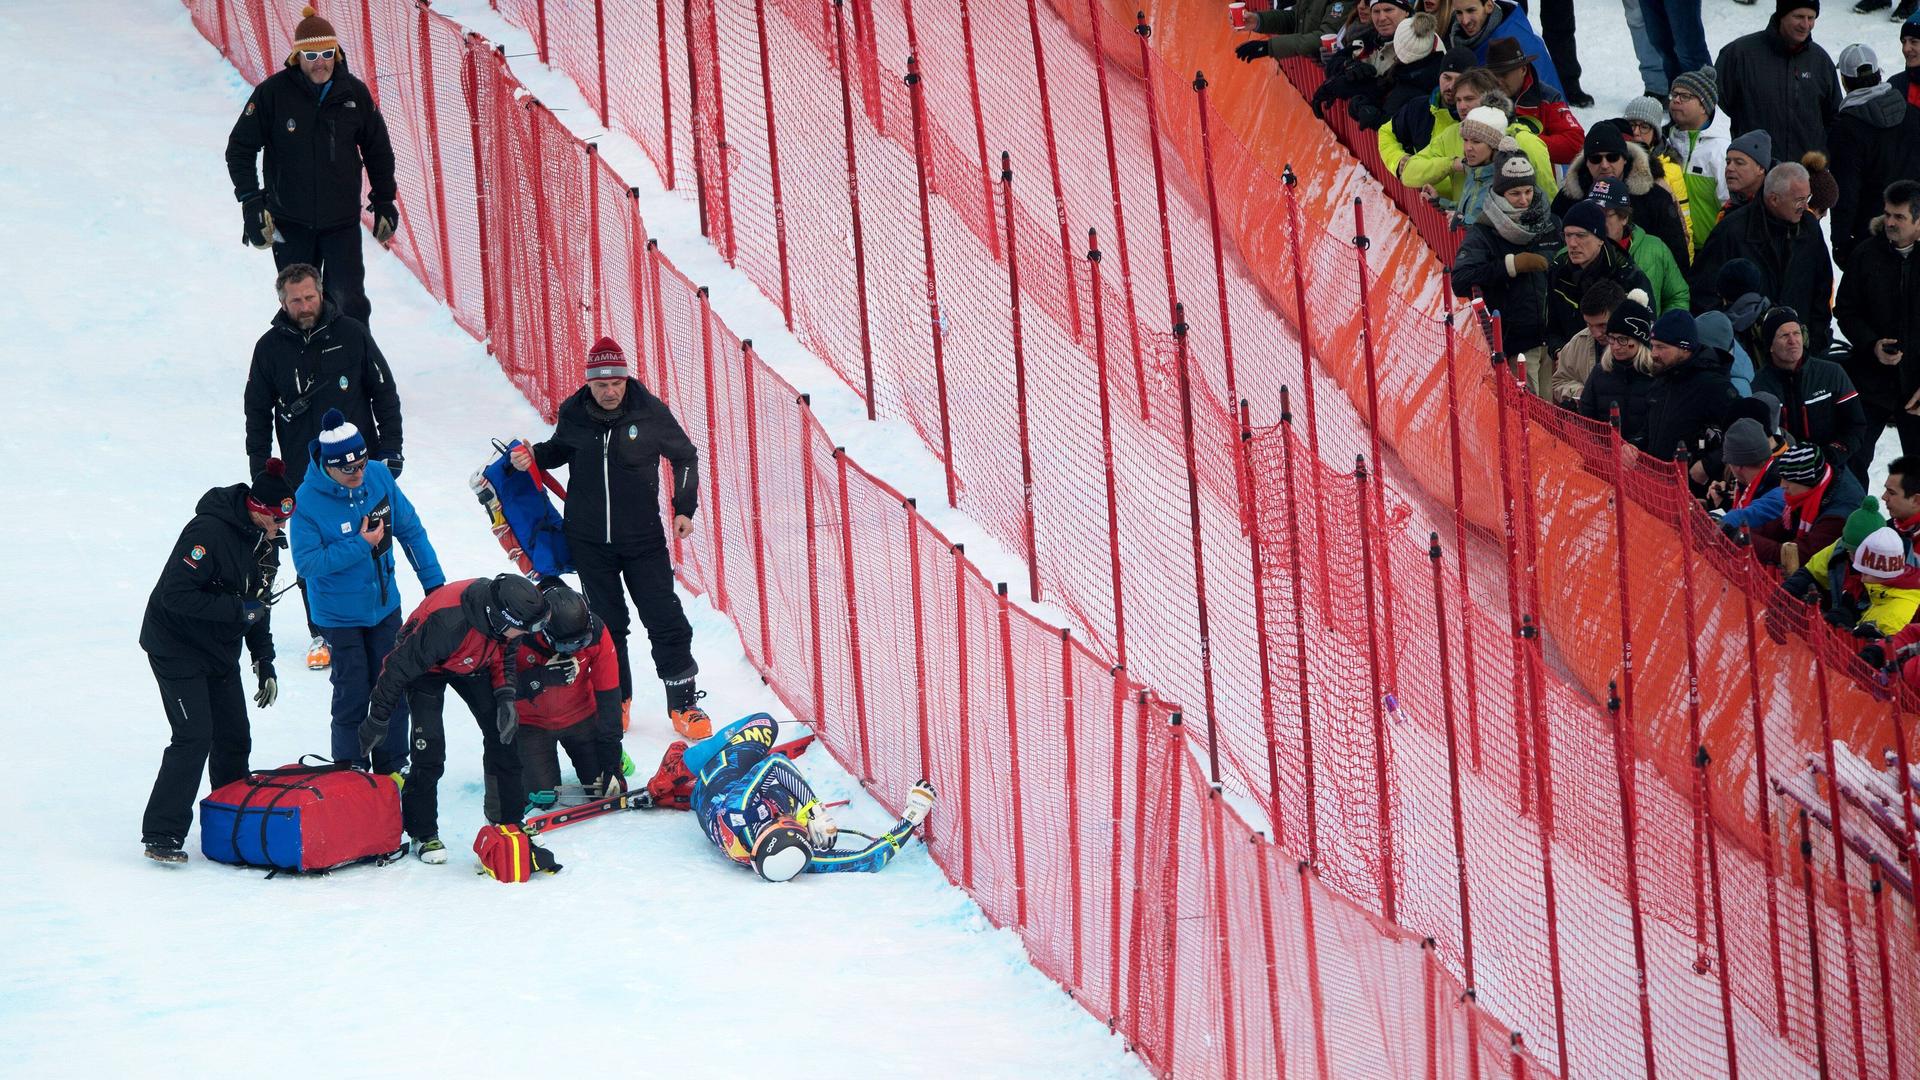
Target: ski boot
{"type": "Point", "coordinates": [319, 654]}
{"type": "Point", "coordinates": [430, 850]}
{"type": "Point", "coordinates": [166, 852]}
{"type": "Point", "coordinates": [690, 721]}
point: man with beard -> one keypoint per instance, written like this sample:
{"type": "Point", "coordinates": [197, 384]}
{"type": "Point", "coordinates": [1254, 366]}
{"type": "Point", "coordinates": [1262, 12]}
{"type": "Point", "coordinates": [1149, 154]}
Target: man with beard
{"type": "Point", "coordinates": [311, 361]}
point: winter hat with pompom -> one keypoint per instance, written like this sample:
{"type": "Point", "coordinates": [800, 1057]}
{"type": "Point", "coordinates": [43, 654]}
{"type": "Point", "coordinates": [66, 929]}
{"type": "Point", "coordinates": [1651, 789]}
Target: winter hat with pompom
{"type": "Point", "coordinates": [340, 443]}
{"type": "Point", "coordinates": [1414, 40]}
{"type": "Point", "coordinates": [313, 33]}
{"type": "Point", "coordinates": [1823, 191]}
{"type": "Point", "coordinates": [1862, 523]}
{"type": "Point", "coordinates": [270, 493]}
{"type": "Point", "coordinates": [1513, 169]}
{"type": "Point", "coordinates": [1703, 84]}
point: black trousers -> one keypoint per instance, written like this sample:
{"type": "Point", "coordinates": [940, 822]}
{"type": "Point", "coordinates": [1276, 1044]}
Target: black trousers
{"type": "Point", "coordinates": [1556, 31]}
{"type": "Point", "coordinates": [1879, 415]}
{"type": "Point", "coordinates": [208, 714]}
{"type": "Point", "coordinates": [540, 757]}
{"type": "Point", "coordinates": [420, 799]}
{"type": "Point", "coordinates": [648, 574]}
{"type": "Point", "coordinates": [336, 252]}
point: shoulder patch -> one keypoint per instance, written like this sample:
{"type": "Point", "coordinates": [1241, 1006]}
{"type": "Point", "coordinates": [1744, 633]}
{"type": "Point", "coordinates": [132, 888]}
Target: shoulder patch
{"type": "Point", "coordinates": [249, 109]}
{"type": "Point", "coordinates": [352, 104]}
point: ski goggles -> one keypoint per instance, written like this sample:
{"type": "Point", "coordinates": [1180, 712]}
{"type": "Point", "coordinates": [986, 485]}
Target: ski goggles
{"type": "Point", "coordinates": [578, 642]}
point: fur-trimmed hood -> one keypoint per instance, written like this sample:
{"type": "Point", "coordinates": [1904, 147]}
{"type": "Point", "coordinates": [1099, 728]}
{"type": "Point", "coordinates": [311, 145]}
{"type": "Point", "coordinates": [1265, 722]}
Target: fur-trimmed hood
{"type": "Point", "coordinates": [1639, 176]}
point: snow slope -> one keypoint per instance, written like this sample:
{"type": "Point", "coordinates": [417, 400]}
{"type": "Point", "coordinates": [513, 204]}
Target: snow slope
{"type": "Point", "coordinates": [127, 314]}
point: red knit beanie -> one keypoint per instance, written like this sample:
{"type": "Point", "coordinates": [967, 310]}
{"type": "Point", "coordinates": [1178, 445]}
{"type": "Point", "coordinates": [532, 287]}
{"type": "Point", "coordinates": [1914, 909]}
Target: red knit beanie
{"type": "Point", "coordinates": [312, 33]}
{"type": "Point", "coordinates": [606, 361]}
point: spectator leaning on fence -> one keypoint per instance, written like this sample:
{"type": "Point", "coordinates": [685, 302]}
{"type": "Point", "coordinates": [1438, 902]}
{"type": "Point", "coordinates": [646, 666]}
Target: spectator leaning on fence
{"type": "Point", "coordinates": [1576, 359]}
{"type": "Point", "coordinates": [1879, 313]}
{"type": "Point", "coordinates": [1779, 80]}
{"type": "Point", "coordinates": [1875, 140]}
{"type": "Point", "coordinates": [1447, 166]}
{"type": "Point", "coordinates": [1505, 255]}
{"type": "Point", "coordinates": [1818, 403]}
{"type": "Point", "coordinates": [1414, 128]}
{"type": "Point", "coordinates": [1692, 398]}
{"type": "Point", "coordinates": [1293, 31]}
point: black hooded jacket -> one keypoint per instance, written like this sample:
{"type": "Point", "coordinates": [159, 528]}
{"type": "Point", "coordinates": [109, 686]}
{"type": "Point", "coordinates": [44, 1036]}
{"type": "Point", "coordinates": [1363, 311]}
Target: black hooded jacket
{"type": "Point", "coordinates": [317, 139]}
{"type": "Point", "coordinates": [195, 617]}
{"type": "Point", "coordinates": [298, 375]}
{"type": "Point", "coordinates": [1688, 405]}
{"type": "Point", "coordinates": [613, 481]}
{"type": "Point", "coordinates": [1880, 298]}
{"type": "Point", "coordinates": [1875, 141]}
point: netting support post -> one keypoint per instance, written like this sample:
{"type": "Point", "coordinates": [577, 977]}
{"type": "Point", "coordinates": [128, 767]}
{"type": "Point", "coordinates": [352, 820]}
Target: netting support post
{"type": "Point", "coordinates": [1694, 734]}
{"type": "Point", "coordinates": [724, 203]}
{"type": "Point", "coordinates": [1703, 782]}
{"type": "Point", "coordinates": [1292, 183]}
{"type": "Point", "coordinates": [1269, 951]}
{"type": "Point", "coordinates": [666, 92]}
{"type": "Point", "coordinates": [1383, 791]}
{"type": "Point", "coordinates": [847, 559]}
{"type": "Point", "coordinates": [540, 17]}
{"type": "Point", "coordinates": [1837, 826]}
{"type": "Point", "coordinates": [1813, 944]}
{"type": "Point", "coordinates": [694, 110]}
{"type": "Point", "coordinates": [1185, 368]}
{"type": "Point", "coordinates": [1095, 17]}
{"type": "Point", "coordinates": [1297, 576]}
{"type": "Point", "coordinates": [749, 363]}
{"type": "Point", "coordinates": [1070, 736]}
{"type": "Point", "coordinates": [1765, 793]}
{"type": "Point", "coordinates": [1115, 841]}
{"type": "Point", "coordinates": [1216, 833]}
{"type": "Point", "coordinates": [594, 278]}
{"type": "Point", "coordinates": [430, 99]}
{"type": "Point", "coordinates": [773, 161]}
{"type": "Point", "coordinates": [1509, 512]}
{"type": "Point", "coordinates": [1219, 248]}
{"type": "Point", "coordinates": [1323, 1068]}
{"type": "Point", "coordinates": [1630, 842]}
{"type": "Point", "coordinates": [1904, 785]}
{"type": "Point", "coordinates": [917, 586]}
{"type": "Point", "coordinates": [1255, 560]}
{"type": "Point", "coordinates": [366, 37]}
{"type": "Point", "coordinates": [853, 202]}
{"type": "Point", "coordinates": [1170, 884]}
{"type": "Point", "coordinates": [1020, 380]}
{"type": "Point", "coordinates": [916, 94]}
{"type": "Point", "coordinates": [1453, 760]}
{"type": "Point", "coordinates": [1368, 350]}
{"type": "Point", "coordinates": [1145, 32]}
{"type": "Point", "coordinates": [481, 204]}
{"type": "Point", "coordinates": [600, 56]}
{"type": "Point", "coordinates": [963, 676]}
{"type": "Point", "coordinates": [979, 129]}
{"type": "Point", "coordinates": [1070, 283]}
{"type": "Point", "coordinates": [1889, 1018]}
{"type": "Point", "coordinates": [1014, 792]}
{"type": "Point", "coordinates": [1468, 667]}
{"type": "Point", "coordinates": [220, 17]}
{"type": "Point", "coordinates": [712, 454]}
{"type": "Point", "coordinates": [817, 674]}
{"type": "Point", "coordinates": [548, 250]}
{"type": "Point", "coordinates": [1106, 449]}
{"type": "Point", "coordinates": [638, 288]}
{"type": "Point", "coordinates": [1142, 715]}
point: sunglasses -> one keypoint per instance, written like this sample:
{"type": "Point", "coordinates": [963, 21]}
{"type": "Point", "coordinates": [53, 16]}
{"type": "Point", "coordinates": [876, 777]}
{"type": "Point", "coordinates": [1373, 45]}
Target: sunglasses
{"type": "Point", "coordinates": [317, 54]}
{"type": "Point", "coordinates": [350, 470]}
{"type": "Point", "coordinates": [1603, 159]}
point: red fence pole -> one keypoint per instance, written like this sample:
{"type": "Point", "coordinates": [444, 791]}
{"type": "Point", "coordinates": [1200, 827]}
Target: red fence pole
{"type": "Point", "coordinates": [431, 100]}
{"type": "Point", "coordinates": [1136, 1027]}
{"type": "Point", "coordinates": [1306, 358]}
{"type": "Point", "coordinates": [1468, 666]}
{"type": "Point", "coordinates": [1838, 828]}
{"type": "Point", "coordinates": [1223, 959]}
{"type": "Point", "coordinates": [1383, 794]}
{"type": "Point", "coordinates": [1170, 883]}
{"type": "Point", "coordinates": [637, 290]}
{"type": "Point", "coordinates": [748, 363]}
{"type": "Point", "coordinates": [1323, 1067]}
{"type": "Point", "coordinates": [979, 128]}
{"type": "Point", "coordinates": [1053, 166]}
{"type": "Point", "coordinates": [666, 91]}
{"type": "Point", "coordinates": [1269, 953]}
{"type": "Point", "coordinates": [1360, 245]}
{"type": "Point", "coordinates": [1700, 811]}
{"type": "Point", "coordinates": [963, 676]}
{"type": "Point", "coordinates": [220, 19]}
{"type": "Point", "coordinates": [917, 97]}
{"type": "Point", "coordinates": [693, 118]}
{"type": "Point", "coordinates": [547, 249]}
{"type": "Point", "coordinates": [914, 577]}
{"type": "Point", "coordinates": [1116, 807]}
{"type": "Point", "coordinates": [725, 151]}
{"type": "Point", "coordinates": [1905, 788]}
{"type": "Point", "coordinates": [1719, 917]}
{"type": "Point", "coordinates": [1213, 219]}
{"type": "Point", "coordinates": [1254, 558]}
{"type": "Point", "coordinates": [366, 36]}
{"type": "Point", "coordinates": [594, 305]}
{"type": "Point", "coordinates": [1764, 790]}
{"type": "Point", "coordinates": [1813, 940]}
{"type": "Point", "coordinates": [600, 54]}
{"type": "Point", "coordinates": [1106, 448]}
{"type": "Point", "coordinates": [1889, 1022]}
{"type": "Point", "coordinates": [1509, 512]}
{"type": "Point", "coordinates": [1624, 770]}
{"type": "Point", "coordinates": [713, 453]}
{"type": "Point", "coordinates": [1014, 791]}
{"type": "Point", "coordinates": [1298, 580]}
{"type": "Point", "coordinates": [540, 8]}
{"type": "Point", "coordinates": [1144, 31]}
{"type": "Point", "coordinates": [853, 201]}
{"type": "Point", "coordinates": [817, 671]}
{"type": "Point", "coordinates": [1453, 760]}
{"type": "Point", "coordinates": [1070, 735]}
{"type": "Point", "coordinates": [853, 616]}
{"type": "Point", "coordinates": [1019, 379]}
{"type": "Point", "coordinates": [470, 71]}
{"type": "Point", "coordinates": [1193, 511]}
{"type": "Point", "coordinates": [773, 160]}
{"type": "Point", "coordinates": [1095, 17]}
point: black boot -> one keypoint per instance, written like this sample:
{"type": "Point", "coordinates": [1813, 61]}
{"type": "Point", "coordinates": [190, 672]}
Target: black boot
{"type": "Point", "coordinates": [1868, 7]}
{"type": "Point", "coordinates": [165, 850]}
{"type": "Point", "coordinates": [1903, 12]}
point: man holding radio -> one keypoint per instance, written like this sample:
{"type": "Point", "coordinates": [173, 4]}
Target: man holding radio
{"type": "Point", "coordinates": [349, 511]}
{"type": "Point", "coordinates": [311, 361]}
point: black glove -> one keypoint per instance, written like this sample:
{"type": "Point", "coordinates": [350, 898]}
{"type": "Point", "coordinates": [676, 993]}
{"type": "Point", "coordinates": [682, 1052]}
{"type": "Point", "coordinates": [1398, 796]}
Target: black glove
{"type": "Point", "coordinates": [1249, 51]}
{"type": "Point", "coordinates": [1799, 584]}
{"type": "Point", "coordinates": [1839, 616]}
{"type": "Point", "coordinates": [1875, 656]}
{"type": "Point", "coordinates": [373, 731]}
{"type": "Point", "coordinates": [505, 720]}
{"type": "Point", "coordinates": [256, 224]}
{"type": "Point", "coordinates": [543, 860]}
{"type": "Point", "coordinates": [386, 218]}
{"type": "Point", "coordinates": [1867, 631]}
{"type": "Point", "coordinates": [269, 691]}
{"type": "Point", "coordinates": [559, 671]}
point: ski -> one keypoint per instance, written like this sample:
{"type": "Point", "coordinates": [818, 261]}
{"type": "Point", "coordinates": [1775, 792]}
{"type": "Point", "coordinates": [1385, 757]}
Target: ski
{"type": "Point", "coordinates": [637, 799]}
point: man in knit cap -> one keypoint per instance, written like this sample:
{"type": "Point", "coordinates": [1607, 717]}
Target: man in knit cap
{"type": "Point", "coordinates": [1876, 137]}
{"type": "Point", "coordinates": [320, 129]}
{"type": "Point", "coordinates": [1750, 496]}
{"type": "Point", "coordinates": [1697, 143]}
{"type": "Point", "coordinates": [1607, 155]}
{"type": "Point", "coordinates": [1779, 80]}
{"type": "Point", "coordinates": [1692, 399]}
{"type": "Point", "coordinates": [1668, 285]}
{"type": "Point", "coordinates": [1748, 159]}
{"type": "Point", "coordinates": [215, 591]}
{"type": "Point", "coordinates": [350, 512]}
{"type": "Point", "coordinates": [1780, 237]}
{"type": "Point", "coordinates": [611, 435]}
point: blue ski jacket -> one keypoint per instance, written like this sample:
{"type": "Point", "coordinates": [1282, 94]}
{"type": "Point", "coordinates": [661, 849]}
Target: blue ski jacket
{"type": "Point", "coordinates": [349, 583]}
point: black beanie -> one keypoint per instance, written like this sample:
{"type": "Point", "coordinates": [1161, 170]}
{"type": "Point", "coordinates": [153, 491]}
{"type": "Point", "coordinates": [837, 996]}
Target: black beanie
{"type": "Point", "coordinates": [1775, 318]}
{"type": "Point", "coordinates": [1604, 138]}
{"type": "Point", "coordinates": [270, 493]}
{"type": "Point", "coordinates": [1738, 278]}
{"type": "Point", "coordinates": [1781, 7]}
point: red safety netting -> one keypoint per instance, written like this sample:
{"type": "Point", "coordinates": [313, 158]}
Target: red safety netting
{"type": "Point", "coordinates": [546, 250]}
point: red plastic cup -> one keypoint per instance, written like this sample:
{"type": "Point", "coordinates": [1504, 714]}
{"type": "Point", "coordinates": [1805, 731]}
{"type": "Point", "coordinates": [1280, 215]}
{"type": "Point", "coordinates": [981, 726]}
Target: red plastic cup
{"type": "Point", "coordinates": [1237, 13]}
{"type": "Point", "coordinates": [1327, 42]}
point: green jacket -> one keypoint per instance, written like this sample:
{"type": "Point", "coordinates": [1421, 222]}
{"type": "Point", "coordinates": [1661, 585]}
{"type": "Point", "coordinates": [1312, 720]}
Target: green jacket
{"type": "Point", "coordinates": [1670, 291]}
{"type": "Point", "coordinates": [1434, 165]}
{"type": "Point", "coordinates": [1390, 149]}
{"type": "Point", "coordinates": [1296, 31]}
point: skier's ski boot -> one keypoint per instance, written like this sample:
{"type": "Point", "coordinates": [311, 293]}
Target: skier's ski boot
{"type": "Point", "coordinates": [319, 654]}
{"type": "Point", "coordinates": [166, 852]}
{"type": "Point", "coordinates": [689, 720]}
{"type": "Point", "coordinates": [431, 850]}
{"type": "Point", "coordinates": [626, 764]}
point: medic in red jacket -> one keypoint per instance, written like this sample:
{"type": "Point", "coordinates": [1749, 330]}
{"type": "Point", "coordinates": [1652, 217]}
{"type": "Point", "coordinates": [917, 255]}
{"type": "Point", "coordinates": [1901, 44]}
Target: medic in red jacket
{"type": "Point", "coordinates": [567, 685]}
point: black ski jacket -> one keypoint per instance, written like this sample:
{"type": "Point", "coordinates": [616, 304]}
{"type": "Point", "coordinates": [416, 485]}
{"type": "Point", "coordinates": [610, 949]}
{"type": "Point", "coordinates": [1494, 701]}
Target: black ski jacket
{"type": "Point", "coordinates": [1793, 264]}
{"type": "Point", "coordinates": [194, 621]}
{"type": "Point", "coordinates": [1880, 298]}
{"type": "Point", "coordinates": [1625, 386]}
{"type": "Point", "coordinates": [1818, 404]}
{"type": "Point", "coordinates": [1875, 141]}
{"type": "Point", "coordinates": [450, 633]}
{"type": "Point", "coordinates": [1766, 84]}
{"type": "Point", "coordinates": [1689, 404]}
{"type": "Point", "coordinates": [1568, 283]}
{"type": "Point", "coordinates": [613, 461]}
{"type": "Point", "coordinates": [298, 375]}
{"type": "Point", "coordinates": [317, 139]}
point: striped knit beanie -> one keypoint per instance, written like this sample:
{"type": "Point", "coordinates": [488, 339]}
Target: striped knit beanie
{"type": "Point", "coordinates": [313, 33]}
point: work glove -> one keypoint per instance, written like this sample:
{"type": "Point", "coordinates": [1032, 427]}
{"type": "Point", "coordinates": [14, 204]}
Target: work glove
{"type": "Point", "coordinates": [386, 218]}
{"type": "Point", "coordinates": [269, 691]}
{"type": "Point", "coordinates": [394, 464]}
{"type": "Point", "coordinates": [505, 720]}
{"type": "Point", "coordinates": [821, 830]}
{"type": "Point", "coordinates": [919, 802]}
{"type": "Point", "coordinates": [256, 224]}
{"type": "Point", "coordinates": [1867, 631]}
{"type": "Point", "coordinates": [1249, 51]}
{"type": "Point", "coordinates": [252, 611]}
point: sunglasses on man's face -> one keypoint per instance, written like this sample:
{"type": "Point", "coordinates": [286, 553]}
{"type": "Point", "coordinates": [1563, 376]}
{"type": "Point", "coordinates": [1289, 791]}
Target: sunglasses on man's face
{"type": "Point", "coordinates": [318, 54]}
{"type": "Point", "coordinates": [1604, 159]}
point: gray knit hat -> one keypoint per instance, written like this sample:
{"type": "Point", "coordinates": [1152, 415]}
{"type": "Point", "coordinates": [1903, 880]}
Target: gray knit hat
{"type": "Point", "coordinates": [1646, 110]}
{"type": "Point", "coordinates": [1702, 84]}
{"type": "Point", "coordinates": [1512, 168]}
{"type": "Point", "coordinates": [1715, 329]}
{"type": "Point", "coordinates": [1745, 443]}
{"type": "Point", "coordinates": [1756, 144]}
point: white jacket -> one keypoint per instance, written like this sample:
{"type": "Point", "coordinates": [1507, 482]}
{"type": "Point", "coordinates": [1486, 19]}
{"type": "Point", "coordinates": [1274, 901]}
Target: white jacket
{"type": "Point", "coordinates": [1704, 152]}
